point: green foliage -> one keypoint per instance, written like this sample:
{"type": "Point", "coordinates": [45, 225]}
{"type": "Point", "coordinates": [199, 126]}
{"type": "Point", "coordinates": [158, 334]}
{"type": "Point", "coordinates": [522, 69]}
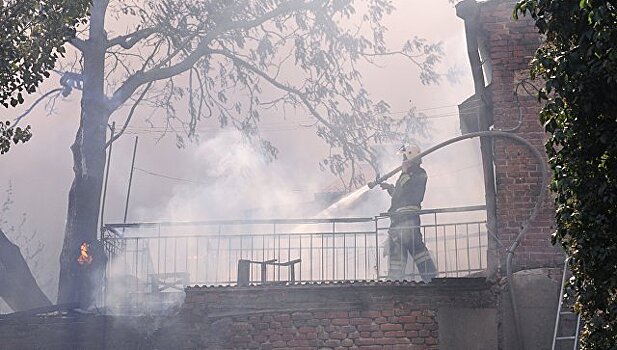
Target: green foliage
{"type": "Point", "coordinates": [15, 135]}
{"type": "Point", "coordinates": [578, 62]}
{"type": "Point", "coordinates": [32, 35]}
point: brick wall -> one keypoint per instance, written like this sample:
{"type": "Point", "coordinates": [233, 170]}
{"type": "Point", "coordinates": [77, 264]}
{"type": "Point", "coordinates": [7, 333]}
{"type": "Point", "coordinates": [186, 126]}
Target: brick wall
{"type": "Point", "coordinates": [337, 316]}
{"type": "Point", "coordinates": [362, 315]}
{"type": "Point", "coordinates": [411, 329]}
{"type": "Point", "coordinates": [511, 45]}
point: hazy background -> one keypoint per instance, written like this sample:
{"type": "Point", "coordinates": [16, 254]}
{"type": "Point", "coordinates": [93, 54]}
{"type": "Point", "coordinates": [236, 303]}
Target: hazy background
{"type": "Point", "coordinates": [222, 177]}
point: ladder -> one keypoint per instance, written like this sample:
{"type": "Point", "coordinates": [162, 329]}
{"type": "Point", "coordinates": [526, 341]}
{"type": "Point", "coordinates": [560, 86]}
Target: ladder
{"type": "Point", "coordinates": [565, 317]}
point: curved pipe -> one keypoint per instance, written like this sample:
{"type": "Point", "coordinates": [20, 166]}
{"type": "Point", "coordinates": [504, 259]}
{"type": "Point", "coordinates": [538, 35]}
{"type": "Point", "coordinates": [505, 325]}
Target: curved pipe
{"type": "Point", "coordinates": [525, 227]}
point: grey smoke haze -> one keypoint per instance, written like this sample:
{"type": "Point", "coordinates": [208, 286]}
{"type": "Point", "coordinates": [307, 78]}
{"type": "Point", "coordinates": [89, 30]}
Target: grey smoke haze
{"type": "Point", "coordinates": [228, 178]}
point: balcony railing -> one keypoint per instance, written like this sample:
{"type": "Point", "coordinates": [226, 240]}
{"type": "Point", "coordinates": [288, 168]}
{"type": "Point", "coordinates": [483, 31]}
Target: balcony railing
{"type": "Point", "coordinates": [160, 257]}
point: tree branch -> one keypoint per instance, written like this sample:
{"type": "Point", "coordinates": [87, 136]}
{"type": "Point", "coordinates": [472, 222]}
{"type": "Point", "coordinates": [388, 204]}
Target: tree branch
{"type": "Point", "coordinates": [124, 92]}
{"type": "Point", "coordinates": [34, 104]}
{"type": "Point", "coordinates": [130, 116]}
{"type": "Point", "coordinates": [275, 83]}
{"type": "Point", "coordinates": [79, 44]}
{"type": "Point", "coordinates": [129, 40]}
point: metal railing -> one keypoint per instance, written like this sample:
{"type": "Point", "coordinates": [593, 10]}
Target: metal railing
{"type": "Point", "coordinates": [166, 256]}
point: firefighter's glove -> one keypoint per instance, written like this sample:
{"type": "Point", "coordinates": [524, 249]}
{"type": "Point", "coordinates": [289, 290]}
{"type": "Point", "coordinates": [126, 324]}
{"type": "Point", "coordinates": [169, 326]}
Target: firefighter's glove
{"type": "Point", "coordinates": [386, 186]}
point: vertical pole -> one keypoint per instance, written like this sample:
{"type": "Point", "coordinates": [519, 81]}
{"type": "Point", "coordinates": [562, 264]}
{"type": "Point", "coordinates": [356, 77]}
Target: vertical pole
{"type": "Point", "coordinates": [333, 251]}
{"type": "Point", "coordinates": [376, 247]}
{"type": "Point", "coordinates": [102, 210]}
{"type": "Point", "coordinates": [128, 192]}
{"type": "Point", "coordinates": [113, 133]}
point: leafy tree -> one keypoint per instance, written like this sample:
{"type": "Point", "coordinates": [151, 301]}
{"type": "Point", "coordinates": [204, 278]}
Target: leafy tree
{"type": "Point", "coordinates": [578, 62]}
{"type": "Point", "coordinates": [15, 135]}
{"type": "Point", "coordinates": [32, 35]}
{"type": "Point", "coordinates": [231, 61]}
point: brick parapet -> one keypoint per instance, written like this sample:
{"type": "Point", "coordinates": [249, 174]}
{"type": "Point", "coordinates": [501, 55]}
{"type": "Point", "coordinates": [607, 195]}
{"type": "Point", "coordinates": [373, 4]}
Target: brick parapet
{"type": "Point", "coordinates": [336, 316]}
{"type": "Point", "coordinates": [363, 315]}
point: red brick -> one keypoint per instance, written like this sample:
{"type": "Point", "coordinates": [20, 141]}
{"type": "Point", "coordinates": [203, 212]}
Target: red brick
{"type": "Point", "coordinates": [337, 314]}
{"type": "Point", "coordinates": [360, 320]}
{"type": "Point", "coordinates": [380, 320]}
{"type": "Point", "coordinates": [282, 317]}
{"type": "Point", "coordinates": [391, 327]}
{"type": "Point", "coordinates": [295, 343]}
{"type": "Point", "coordinates": [368, 327]}
{"type": "Point", "coordinates": [301, 316]}
{"type": "Point", "coordinates": [338, 335]}
{"type": "Point", "coordinates": [332, 342]}
{"type": "Point", "coordinates": [364, 341]}
{"type": "Point", "coordinates": [371, 314]}
{"type": "Point", "coordinates": [417, 341]}
{"type": "Point", "coordinates": [425, 319]}
{"type": "Point", "coordinates": [385, 341]}
{"type": "Point", "coordinates": [395, 334]}
{"type": "Point", "coordinates": [411, 334]}
{"type": "Point", "coordinates": [306, 330]}
{"type": "Point", "coordinates": [347, 343]}
{"type": "Point", "coordinates": [279, 344]}
{"type": "Point", "coordinates": [407, 319]}
{"type": "Point", "coordinates": [340, 321]}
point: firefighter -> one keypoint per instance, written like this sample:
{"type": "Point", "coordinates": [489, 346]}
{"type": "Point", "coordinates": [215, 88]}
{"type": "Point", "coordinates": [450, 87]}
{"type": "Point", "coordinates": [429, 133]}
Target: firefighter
{"type": "Point", "coordinates": [404, 234]}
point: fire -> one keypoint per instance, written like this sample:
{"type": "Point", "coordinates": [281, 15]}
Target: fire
{"type": "Point", "coordinates": [84, 258]}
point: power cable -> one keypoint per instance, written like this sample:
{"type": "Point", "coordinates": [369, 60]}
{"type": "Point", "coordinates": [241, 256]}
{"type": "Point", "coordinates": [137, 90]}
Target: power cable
{"type": "Point", "coordinates": [169, 177]}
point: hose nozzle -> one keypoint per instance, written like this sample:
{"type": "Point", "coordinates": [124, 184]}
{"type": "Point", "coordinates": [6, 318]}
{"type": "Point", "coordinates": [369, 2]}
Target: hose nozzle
{"type": "Point", "coordinates": [383, 178]}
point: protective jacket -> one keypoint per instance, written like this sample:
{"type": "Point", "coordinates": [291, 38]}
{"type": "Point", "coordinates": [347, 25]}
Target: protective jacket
{"type": "Point", "coordinates": [409, 190]}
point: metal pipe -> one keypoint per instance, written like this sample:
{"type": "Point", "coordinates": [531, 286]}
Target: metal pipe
{"type": "Point", "coordinates": [113, 131]}
{"type": "Point", "coordinates": [128, 192]}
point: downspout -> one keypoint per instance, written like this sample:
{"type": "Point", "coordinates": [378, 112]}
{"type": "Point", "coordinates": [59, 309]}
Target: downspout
{"type": "Point", "coordinates": [469, 11]}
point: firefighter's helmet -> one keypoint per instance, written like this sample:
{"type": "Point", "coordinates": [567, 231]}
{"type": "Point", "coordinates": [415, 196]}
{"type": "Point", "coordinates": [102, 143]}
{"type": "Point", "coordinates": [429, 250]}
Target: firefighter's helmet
{"type": "Point", "coordinates": [409, 150]}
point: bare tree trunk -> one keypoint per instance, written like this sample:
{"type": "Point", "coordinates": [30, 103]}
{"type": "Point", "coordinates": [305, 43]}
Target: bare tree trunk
{"type": "Point", "coordinates": [78, 282]}
{"type": "Point", "coordinates": [18, 287]}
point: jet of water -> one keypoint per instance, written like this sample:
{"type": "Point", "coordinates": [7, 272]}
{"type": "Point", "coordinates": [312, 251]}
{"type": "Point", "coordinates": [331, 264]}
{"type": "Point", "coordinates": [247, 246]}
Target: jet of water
{"type": "Point", "coordinates": [344, 202]}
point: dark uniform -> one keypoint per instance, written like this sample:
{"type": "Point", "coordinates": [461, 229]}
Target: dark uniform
{"type": "Point", "coordinates": [405, 235]}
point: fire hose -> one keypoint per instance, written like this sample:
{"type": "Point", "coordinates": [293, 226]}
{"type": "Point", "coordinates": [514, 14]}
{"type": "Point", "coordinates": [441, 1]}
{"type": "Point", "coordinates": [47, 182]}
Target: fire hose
{"type": "Point", "coordinates": [517, 241]}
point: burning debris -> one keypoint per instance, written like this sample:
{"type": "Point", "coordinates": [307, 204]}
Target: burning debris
{"type": "Point", "coordinates": [84, 258]}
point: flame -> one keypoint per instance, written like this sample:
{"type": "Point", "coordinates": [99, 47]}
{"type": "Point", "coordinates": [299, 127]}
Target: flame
{"type": "Point", "coordinates": [84, 258]}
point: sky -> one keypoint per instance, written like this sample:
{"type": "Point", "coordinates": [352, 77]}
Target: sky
{"type": "Point", "coordinates": [177, 184]}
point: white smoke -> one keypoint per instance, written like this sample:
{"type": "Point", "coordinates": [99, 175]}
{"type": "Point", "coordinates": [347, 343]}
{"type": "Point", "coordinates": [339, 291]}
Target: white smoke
{"type": "Point", "coordinates": [238, 183]}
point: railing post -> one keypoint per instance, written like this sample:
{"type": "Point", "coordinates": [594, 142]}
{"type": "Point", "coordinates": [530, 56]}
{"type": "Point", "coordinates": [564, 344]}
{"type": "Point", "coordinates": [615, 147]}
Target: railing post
{"type": "Point", "coordinates": [376, 219]}
{"type": "Point", "coordinates": [264, 271]}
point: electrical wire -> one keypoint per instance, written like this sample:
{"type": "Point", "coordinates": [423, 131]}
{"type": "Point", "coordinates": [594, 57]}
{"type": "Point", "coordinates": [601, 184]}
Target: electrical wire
{"type": "Point", "coordinates": [283, 125]}
{"type": "Point", "coordinates": [151, 173]}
